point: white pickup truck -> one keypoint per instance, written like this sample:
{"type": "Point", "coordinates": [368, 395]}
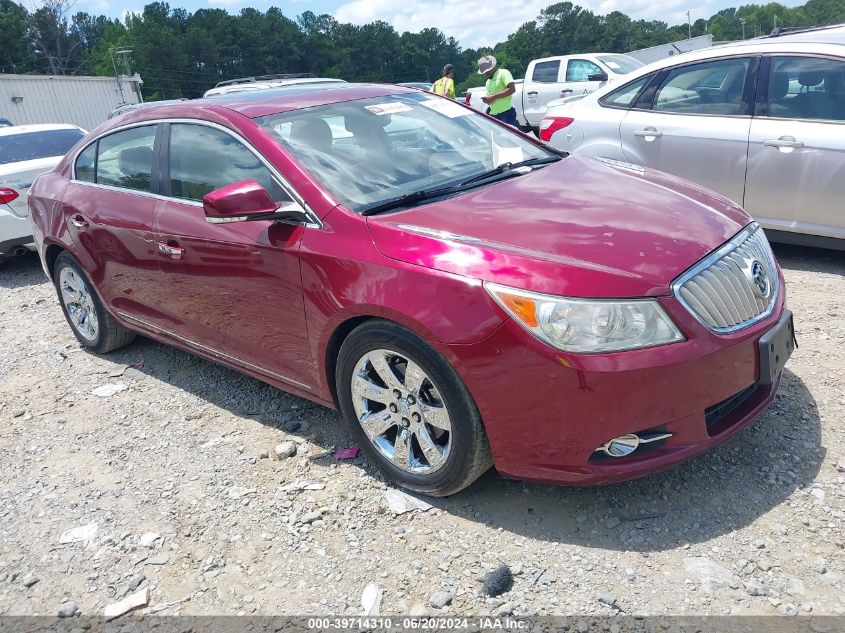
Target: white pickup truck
{"type": "Point", "coordinates": [551, 78]}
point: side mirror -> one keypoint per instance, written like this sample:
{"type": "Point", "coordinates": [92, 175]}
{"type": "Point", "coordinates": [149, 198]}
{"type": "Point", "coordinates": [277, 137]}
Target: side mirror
{"type": "Point", "coordinates": [248, 201]}
{"type": "Point", "coordinates": [602, 76]}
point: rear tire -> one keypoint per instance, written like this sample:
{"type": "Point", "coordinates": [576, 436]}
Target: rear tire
{"type": "Point", "coordinates": [423, 427]}
{"type": "Point", "coordinates": [92, 325]}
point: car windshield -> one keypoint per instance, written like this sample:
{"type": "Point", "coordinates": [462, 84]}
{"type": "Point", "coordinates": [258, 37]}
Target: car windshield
{"type": "Point", "coordinates": [16, 148]}
{"type": "Point", "coordinates": [369, 151]}
{"type": "Point", "coordinates": [620, 64]}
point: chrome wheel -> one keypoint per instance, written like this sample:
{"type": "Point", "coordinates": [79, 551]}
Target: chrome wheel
{"type": "Point", "coordinates": [401, 411]}
{"type": "Point", "coordinates": [79, 304]}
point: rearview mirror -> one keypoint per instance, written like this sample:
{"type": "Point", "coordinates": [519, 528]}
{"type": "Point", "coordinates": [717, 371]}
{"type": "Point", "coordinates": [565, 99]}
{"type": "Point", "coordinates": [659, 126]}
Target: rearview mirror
{"type": "Point", "coordinates": [597, 76]}
{"type": "Point", "coordinates": [248, 201]}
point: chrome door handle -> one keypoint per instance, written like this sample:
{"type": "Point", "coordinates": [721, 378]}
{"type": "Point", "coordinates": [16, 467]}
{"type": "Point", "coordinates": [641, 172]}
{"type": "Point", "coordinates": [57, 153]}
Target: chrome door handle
{"type": "Point", "coordinates": [78, 222]}
{"type": "Point", "coordinates": [784, 142]}
{"type": "Point", "coordinates": [173, 252]}
{"type": "Point", "coordinates": [648, 134]}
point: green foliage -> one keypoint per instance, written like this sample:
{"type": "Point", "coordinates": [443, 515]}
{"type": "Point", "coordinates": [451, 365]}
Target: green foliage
{"type": "Point", "coordinates": [183, 54]}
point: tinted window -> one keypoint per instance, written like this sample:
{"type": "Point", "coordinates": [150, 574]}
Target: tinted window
{"type": "Point", "coordinates": [580, 70]}
{"type": "Point", "coordinates": [624, 96]}
{"type": "Point", "coordinates": [807, 88]}
{"type": "Point", "coordinates": [546, 72]}
{"type": "Point", "coordinates": [86, 163]}
{"type": "Point", "coordinates": [709, 88]}
{"type": "Point", "coordinates": [203, 159]}
{"type": "Point", "coordinates": [32, 145]}
{"type": "Point", "coordinates": [125, 159]}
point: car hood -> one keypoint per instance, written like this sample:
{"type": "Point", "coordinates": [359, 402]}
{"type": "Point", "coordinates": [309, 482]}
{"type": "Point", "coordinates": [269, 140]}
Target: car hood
{"type": "Point", "coordinates": [580, 228]}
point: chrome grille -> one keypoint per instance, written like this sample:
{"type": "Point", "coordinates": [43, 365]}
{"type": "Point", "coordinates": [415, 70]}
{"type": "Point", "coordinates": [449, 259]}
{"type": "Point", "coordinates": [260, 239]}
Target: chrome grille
{"type": "Point", "coordinates": [735, 286]}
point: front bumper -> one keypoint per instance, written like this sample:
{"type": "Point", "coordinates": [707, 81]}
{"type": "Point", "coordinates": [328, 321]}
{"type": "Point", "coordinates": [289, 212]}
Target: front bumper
{"type": "Point", "coordinates": [546, 412]}
{"type": "Point", "coordinates": [14, 231]}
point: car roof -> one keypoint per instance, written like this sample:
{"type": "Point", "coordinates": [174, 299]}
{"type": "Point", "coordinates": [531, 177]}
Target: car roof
{"type": "Point", "coordinates": [265, 102]}
{"type": "Point", "coordinates": [265, 84]}
{"type": "Point", "coordinates": [562, 57]}
{"type": "Point", "coordinates": [40, 127]}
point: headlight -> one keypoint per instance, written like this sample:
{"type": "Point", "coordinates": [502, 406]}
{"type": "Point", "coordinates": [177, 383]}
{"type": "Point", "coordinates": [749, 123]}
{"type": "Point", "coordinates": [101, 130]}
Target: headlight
{"type": "Point", "coordinates": [586, 325]}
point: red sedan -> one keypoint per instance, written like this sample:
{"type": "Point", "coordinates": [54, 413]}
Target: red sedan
{"type": "Point", "coordinates": [465, 295]}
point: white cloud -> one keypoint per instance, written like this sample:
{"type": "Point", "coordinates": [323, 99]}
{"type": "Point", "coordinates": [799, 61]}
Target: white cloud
{"type": "Point", "coordinates": [473, 23]}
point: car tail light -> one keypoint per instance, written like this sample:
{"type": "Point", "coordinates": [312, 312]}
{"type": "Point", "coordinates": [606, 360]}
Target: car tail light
{"type": "Point", "coordinates": [7, 195]}
{"type": "Point", "coordinates": [552, 124]}
{"type": "Point", "coordinates": [466, 98]}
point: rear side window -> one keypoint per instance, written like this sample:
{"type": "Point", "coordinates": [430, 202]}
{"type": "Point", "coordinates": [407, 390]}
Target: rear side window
{"type": "Point", "coordinates": [625, 96]}
{"type": "Point", "coordinates": [807, 88]}
{"type": "Point", "coordinates": [16, 148]}
{"type": "Point", "coordinates": [203, 159]}
{"type": "Point", "coordinates": [546, 72]}
{"type": "Point", "coordinates": [125, 159]}
{"type": "Point", "coordinates": [581, 69]}
{"type": "Point", "coordinates": [708, 88]}
{"type": "Point", "coordinates": [86, 164]}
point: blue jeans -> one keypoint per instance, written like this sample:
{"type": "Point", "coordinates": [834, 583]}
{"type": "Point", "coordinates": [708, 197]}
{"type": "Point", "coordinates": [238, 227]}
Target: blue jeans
{"type": "Point", "coordinates": [508, 116]}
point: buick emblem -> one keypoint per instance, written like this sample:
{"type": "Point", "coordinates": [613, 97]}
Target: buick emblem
{"type": "Point", "coordinates": [759, 279]}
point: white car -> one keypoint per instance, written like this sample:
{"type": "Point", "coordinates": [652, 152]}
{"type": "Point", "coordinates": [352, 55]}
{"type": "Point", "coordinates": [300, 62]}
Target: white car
{"type": "Point", "coordinates": [762, 123]}
{"type": "Point", "coordinates": [265, 82]}
{"type": "Point", "coordinates": [25, 152]}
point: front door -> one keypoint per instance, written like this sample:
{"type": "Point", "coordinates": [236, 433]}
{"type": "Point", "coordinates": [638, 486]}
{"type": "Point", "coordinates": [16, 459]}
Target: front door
{"type": "Point", "coordinates": [234, 289]}
{"type": "Point", "coordinates": [695, 125]}
{"type": "Point", "coordinates": [796, 156]}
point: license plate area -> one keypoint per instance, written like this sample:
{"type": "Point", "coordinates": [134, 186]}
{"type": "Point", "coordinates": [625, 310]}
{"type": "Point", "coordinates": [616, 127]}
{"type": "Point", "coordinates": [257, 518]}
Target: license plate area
{"type": "Point", "coordinates": [776, 346]}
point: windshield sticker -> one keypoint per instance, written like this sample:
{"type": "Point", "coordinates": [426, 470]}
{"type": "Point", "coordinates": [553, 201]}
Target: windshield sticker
{"type": "Point", "coordinates": [389, 108]}
{"type": "Point", "coordinates": [612, 65]}
{"type": "Point", "coordinates": [446, 107]}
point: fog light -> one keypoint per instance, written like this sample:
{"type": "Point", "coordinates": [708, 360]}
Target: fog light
{"type": "Point", "coordinates": [624, 445]}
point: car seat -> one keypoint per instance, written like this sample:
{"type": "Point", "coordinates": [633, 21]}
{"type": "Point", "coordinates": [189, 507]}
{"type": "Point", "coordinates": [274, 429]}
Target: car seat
{"type": "Point", "coordinates": [135, 165]}
{"type": "Point", "coordinates": [313, 133]}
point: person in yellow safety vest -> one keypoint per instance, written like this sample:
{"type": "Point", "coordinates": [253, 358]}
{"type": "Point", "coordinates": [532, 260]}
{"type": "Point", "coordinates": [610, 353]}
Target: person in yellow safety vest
{"type": "Point", "coordinates": [446, 84]}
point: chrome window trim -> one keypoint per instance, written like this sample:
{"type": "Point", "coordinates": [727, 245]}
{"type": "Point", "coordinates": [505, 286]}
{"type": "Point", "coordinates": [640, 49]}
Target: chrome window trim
{"type": "Point", "coordinates": [280, 180]}
{"type": "Point", "coordinates": [711, 259]}
{"type": "Point", "coordinates": [212, 351]}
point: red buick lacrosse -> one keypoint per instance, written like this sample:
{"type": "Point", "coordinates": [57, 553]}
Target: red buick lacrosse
{"type": "Point", "coordinates": [466, 296]}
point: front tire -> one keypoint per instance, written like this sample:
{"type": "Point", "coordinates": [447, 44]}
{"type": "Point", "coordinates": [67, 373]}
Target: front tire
{"type": "Point", "coordinates": [92, 325]}
{"type": "Point", "coordinates": [410, 411]}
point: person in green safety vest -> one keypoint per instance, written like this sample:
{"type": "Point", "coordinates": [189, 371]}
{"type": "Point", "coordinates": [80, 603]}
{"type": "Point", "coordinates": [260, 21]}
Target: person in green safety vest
{"type": "Point", "coordinates": [445, 86]}
{"type": "Point", "coordinates": [500, 89]}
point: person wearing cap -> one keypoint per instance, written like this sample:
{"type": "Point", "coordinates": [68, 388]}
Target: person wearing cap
{"type": "Point", "coordinates": [445, 86]}
{"type": "Point", "coordinates": [500, 88]}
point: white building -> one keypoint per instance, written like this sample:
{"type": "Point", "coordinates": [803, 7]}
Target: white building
{"type": "Point", "coordinates": [82, 101]}
{"type": "Point", "coordinates": [656, 53]}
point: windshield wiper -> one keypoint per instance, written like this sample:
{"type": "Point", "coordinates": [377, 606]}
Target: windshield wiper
{"type": "Point", "coordinates": [509, 168]}
{"type": "Point", "coordinates": [410, 198]}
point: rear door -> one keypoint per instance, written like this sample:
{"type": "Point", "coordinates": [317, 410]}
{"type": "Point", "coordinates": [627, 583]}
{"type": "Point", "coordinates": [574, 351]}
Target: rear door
{"type": "Point", "coordinates": [109, 209]}
{"type": "Point", "coordinates": [796, 156]}
{"type": "Point", "coordinates": [233, 289]}
{"type": "Point", "coordinates": [694, 121]}
{"type": "Point", "coordinates": [540, 87]}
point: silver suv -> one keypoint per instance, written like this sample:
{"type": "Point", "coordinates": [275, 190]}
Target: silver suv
{"type": "Point", "coordinates": [761, 122]}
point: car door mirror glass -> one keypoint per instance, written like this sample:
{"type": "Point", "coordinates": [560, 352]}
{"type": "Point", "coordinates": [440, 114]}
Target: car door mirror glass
{"type": "Point", "coordinates": [248, 201]}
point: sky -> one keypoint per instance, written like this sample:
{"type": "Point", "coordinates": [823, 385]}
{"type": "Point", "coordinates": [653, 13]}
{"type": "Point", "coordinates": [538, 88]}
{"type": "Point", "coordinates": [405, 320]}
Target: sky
{"type": "Point", "coordinates": [474, 23]}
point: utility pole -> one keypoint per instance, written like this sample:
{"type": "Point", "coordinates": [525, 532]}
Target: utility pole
{"type": "Point", "coordinates": [117, 76]}
{"type": "Point", "coordinates": [689, 24]}
{"type": "Point", "coordinates": [776, 22]}
{"type": "Point", "coordinates": [742, 21]}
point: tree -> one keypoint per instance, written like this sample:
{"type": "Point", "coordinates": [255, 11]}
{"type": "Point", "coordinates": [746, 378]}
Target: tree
{"type": "Point", "coordinates": [16, 54]}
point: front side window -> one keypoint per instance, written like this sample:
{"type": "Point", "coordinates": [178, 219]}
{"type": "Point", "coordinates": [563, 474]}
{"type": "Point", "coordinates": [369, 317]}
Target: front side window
{"type": "Point", "coordinates": [16, 148]}
{"type": "Point", "coordinates": [86, 164]}
{"type": "Point", "coordinates": [546, 72]}
{"type": "Point", "coordinates": [203, 159]}
{"type": "Point", "coordinates": [368, 151]}
{"type": "Point", "coordinates": [807, 88]}
{"type": "Point", "coordinates": [624, 97]}
{"type": "Point", "coordinates": [581, 69]}
{"type": "Point", "coordinates": [125, 159]}
{"type": "Point", "coordinates": [708, 88]}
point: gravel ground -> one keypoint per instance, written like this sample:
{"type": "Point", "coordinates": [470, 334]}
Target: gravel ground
{"type": "Point", "coordinates": [171, 487]}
